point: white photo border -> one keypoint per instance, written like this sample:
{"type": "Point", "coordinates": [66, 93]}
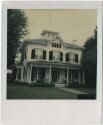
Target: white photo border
{"type": "Point", "coordinates": [52, 111]}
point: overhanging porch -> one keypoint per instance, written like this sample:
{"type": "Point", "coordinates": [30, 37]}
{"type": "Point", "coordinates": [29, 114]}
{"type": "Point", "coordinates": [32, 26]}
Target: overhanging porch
{"type": "Point", "coordinates": [58, 74]}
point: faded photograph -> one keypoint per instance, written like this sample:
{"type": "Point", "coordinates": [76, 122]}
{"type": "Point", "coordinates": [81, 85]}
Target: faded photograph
{"type": "Point", "coordinates": [51, 53]}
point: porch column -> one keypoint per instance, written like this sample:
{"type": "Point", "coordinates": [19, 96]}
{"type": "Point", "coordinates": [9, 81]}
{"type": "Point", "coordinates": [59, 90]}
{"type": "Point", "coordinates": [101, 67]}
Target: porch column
{"type": "Point", "coordinates": [67, 75]}
{"type": "Point", "coordinates": [30, 73]}
{"type": "Point", "coordinates": [50, 75]}
{"type": "Point", "coordinates": [71, 76]}
{"type": "Point", "coordinates": [16, 74]}
{"type": "Point", "coordinates": [83, 77]}
{"type": "Point", "coordinates": [37, 72]}
{"type": "Point", "coordinates": [21, 74]}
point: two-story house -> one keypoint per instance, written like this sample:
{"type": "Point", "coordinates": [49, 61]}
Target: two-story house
{"type": "Point", "coordinates": [51, 60]}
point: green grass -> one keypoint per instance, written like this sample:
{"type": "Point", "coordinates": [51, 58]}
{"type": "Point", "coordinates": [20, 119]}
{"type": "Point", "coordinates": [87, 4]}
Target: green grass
{"type": "Point", "coordinates": [24, 92]}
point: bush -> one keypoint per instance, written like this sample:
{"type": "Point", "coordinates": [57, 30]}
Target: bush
{"type": "Point", "coordinates": [72, 85]}
{"type": "Point", "coordinates": [41, 85]}
{"type": "Point", "coordinates": [87, 96]}
{"type": "Point", "coordinates": [20, 83]}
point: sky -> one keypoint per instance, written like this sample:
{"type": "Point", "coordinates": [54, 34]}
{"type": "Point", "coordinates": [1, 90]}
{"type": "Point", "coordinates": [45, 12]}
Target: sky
{"type": "Point", "coordinates": [74, 25]}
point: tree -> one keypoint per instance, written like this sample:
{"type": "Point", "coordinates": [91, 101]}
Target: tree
{"type": "Point", "coordinates": [16, 30]}
{"type": "Point", "coordinates": [89, 60]}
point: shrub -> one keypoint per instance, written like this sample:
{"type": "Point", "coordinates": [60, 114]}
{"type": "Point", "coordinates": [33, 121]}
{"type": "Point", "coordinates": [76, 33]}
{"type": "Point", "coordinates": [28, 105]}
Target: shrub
{"type": "Point", "coordinates": [41, 85]}
{"type": "Point", "coordinates": [20, 83]}
{"type": "Point", "coordinates": [72, 85]}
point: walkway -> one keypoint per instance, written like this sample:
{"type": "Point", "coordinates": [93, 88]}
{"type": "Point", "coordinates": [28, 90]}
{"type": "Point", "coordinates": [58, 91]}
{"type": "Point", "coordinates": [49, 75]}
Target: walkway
{"type": "Point", "coordinates": [73, 91]}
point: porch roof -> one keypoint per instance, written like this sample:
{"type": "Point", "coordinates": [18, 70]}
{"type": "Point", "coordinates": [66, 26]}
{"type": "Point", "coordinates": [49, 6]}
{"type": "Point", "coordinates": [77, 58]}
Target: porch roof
{"type": "Point", "coordinates": [54, 64]}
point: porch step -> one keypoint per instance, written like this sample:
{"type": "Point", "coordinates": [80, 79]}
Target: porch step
{"type": "Point", "coordinates": [60, 85]}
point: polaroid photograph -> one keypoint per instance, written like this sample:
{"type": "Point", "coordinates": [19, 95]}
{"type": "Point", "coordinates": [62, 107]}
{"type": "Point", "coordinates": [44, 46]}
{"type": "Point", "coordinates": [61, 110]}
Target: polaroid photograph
{"type": "Point", "coordinates": [51, 63]}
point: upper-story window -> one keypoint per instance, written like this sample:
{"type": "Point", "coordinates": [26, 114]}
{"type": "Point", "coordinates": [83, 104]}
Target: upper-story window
{"type": "Point", "coordinates": [51, 55]}
{"type": "Point", "coordinates": [58, 45]}
{"type": "Point", "coordinates": [38, 54]}
{"type": "Point", "coordinates": [56, 56]}
{"type": "Point", "coordinates": [76, 58]}
{"type": "Point", "coordinates": [71, 57]}
{"type": "Point", "coordinates": [67, 57]}
{"type": "Point", "coordinates": [33, 54]}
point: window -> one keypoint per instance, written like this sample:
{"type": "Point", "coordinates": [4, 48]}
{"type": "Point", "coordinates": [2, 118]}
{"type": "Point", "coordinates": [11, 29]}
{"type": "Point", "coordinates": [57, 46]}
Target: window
{"type": "Point", "coordinates": [58, 45]}
{"type": "Point", "coordinates": [50, 55]}
{"type": "Point", "coordinates": [56, 56]}
{"type": "Point", "coordinates": [44, 54]}
{"type": "Point", "coordinates": [76, 58]}
{"type": "Point", "coordinates": [67, 57]}
{"type": "Point", "coordinates": [33, 54]}
{"type": "Point", "coordinates": [54, 44]}
{"type": "Point", "coordinates": [61, 56]}
{"type": "Point", "coordinates": [38, 54]}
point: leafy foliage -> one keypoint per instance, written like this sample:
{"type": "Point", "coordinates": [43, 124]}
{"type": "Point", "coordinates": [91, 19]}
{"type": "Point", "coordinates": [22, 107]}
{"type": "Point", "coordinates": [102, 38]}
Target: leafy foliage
{"type": "Point", "coordinates": [89, 60]}
{"type": "Point", "coordinates": [16, 30]}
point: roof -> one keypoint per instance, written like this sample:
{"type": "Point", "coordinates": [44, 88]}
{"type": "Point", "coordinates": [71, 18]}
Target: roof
{"type": "Point", "coordinates": [68, 45]}
{"type": "Point", "coordinates": [45, 42]}
{"type": "Point", "coordinates": [51, 32]}
{"type": "Point", "coordinates": [54, 64]}
{"type": "Point", "coordinates": [37, 41]}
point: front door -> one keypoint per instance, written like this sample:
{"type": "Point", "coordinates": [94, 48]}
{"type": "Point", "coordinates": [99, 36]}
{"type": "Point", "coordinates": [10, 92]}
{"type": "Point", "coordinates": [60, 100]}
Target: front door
{"type": "Point", "coordinates": [55, 75]}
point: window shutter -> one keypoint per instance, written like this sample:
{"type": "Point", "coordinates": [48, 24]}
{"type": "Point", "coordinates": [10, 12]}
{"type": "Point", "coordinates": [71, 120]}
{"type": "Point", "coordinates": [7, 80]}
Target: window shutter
{"type": "Point", "coordinates": [33, 54]}
{"type": "Point", "coordinates": [44, 54]}
{"type": "Point", "coordinates": [67, 57]}
{"type": "Point", "coordinates": [50, 55]}
{"type": "Point", "coordinates": [61, 56]}
{"type": "Point", "coordinates": [76, 58]}
{"type": "Point", "coordinates": [60, 45]}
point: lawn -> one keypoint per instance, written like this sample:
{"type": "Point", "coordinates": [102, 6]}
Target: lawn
{"type": "Point", "coordinates": [24, 92]}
